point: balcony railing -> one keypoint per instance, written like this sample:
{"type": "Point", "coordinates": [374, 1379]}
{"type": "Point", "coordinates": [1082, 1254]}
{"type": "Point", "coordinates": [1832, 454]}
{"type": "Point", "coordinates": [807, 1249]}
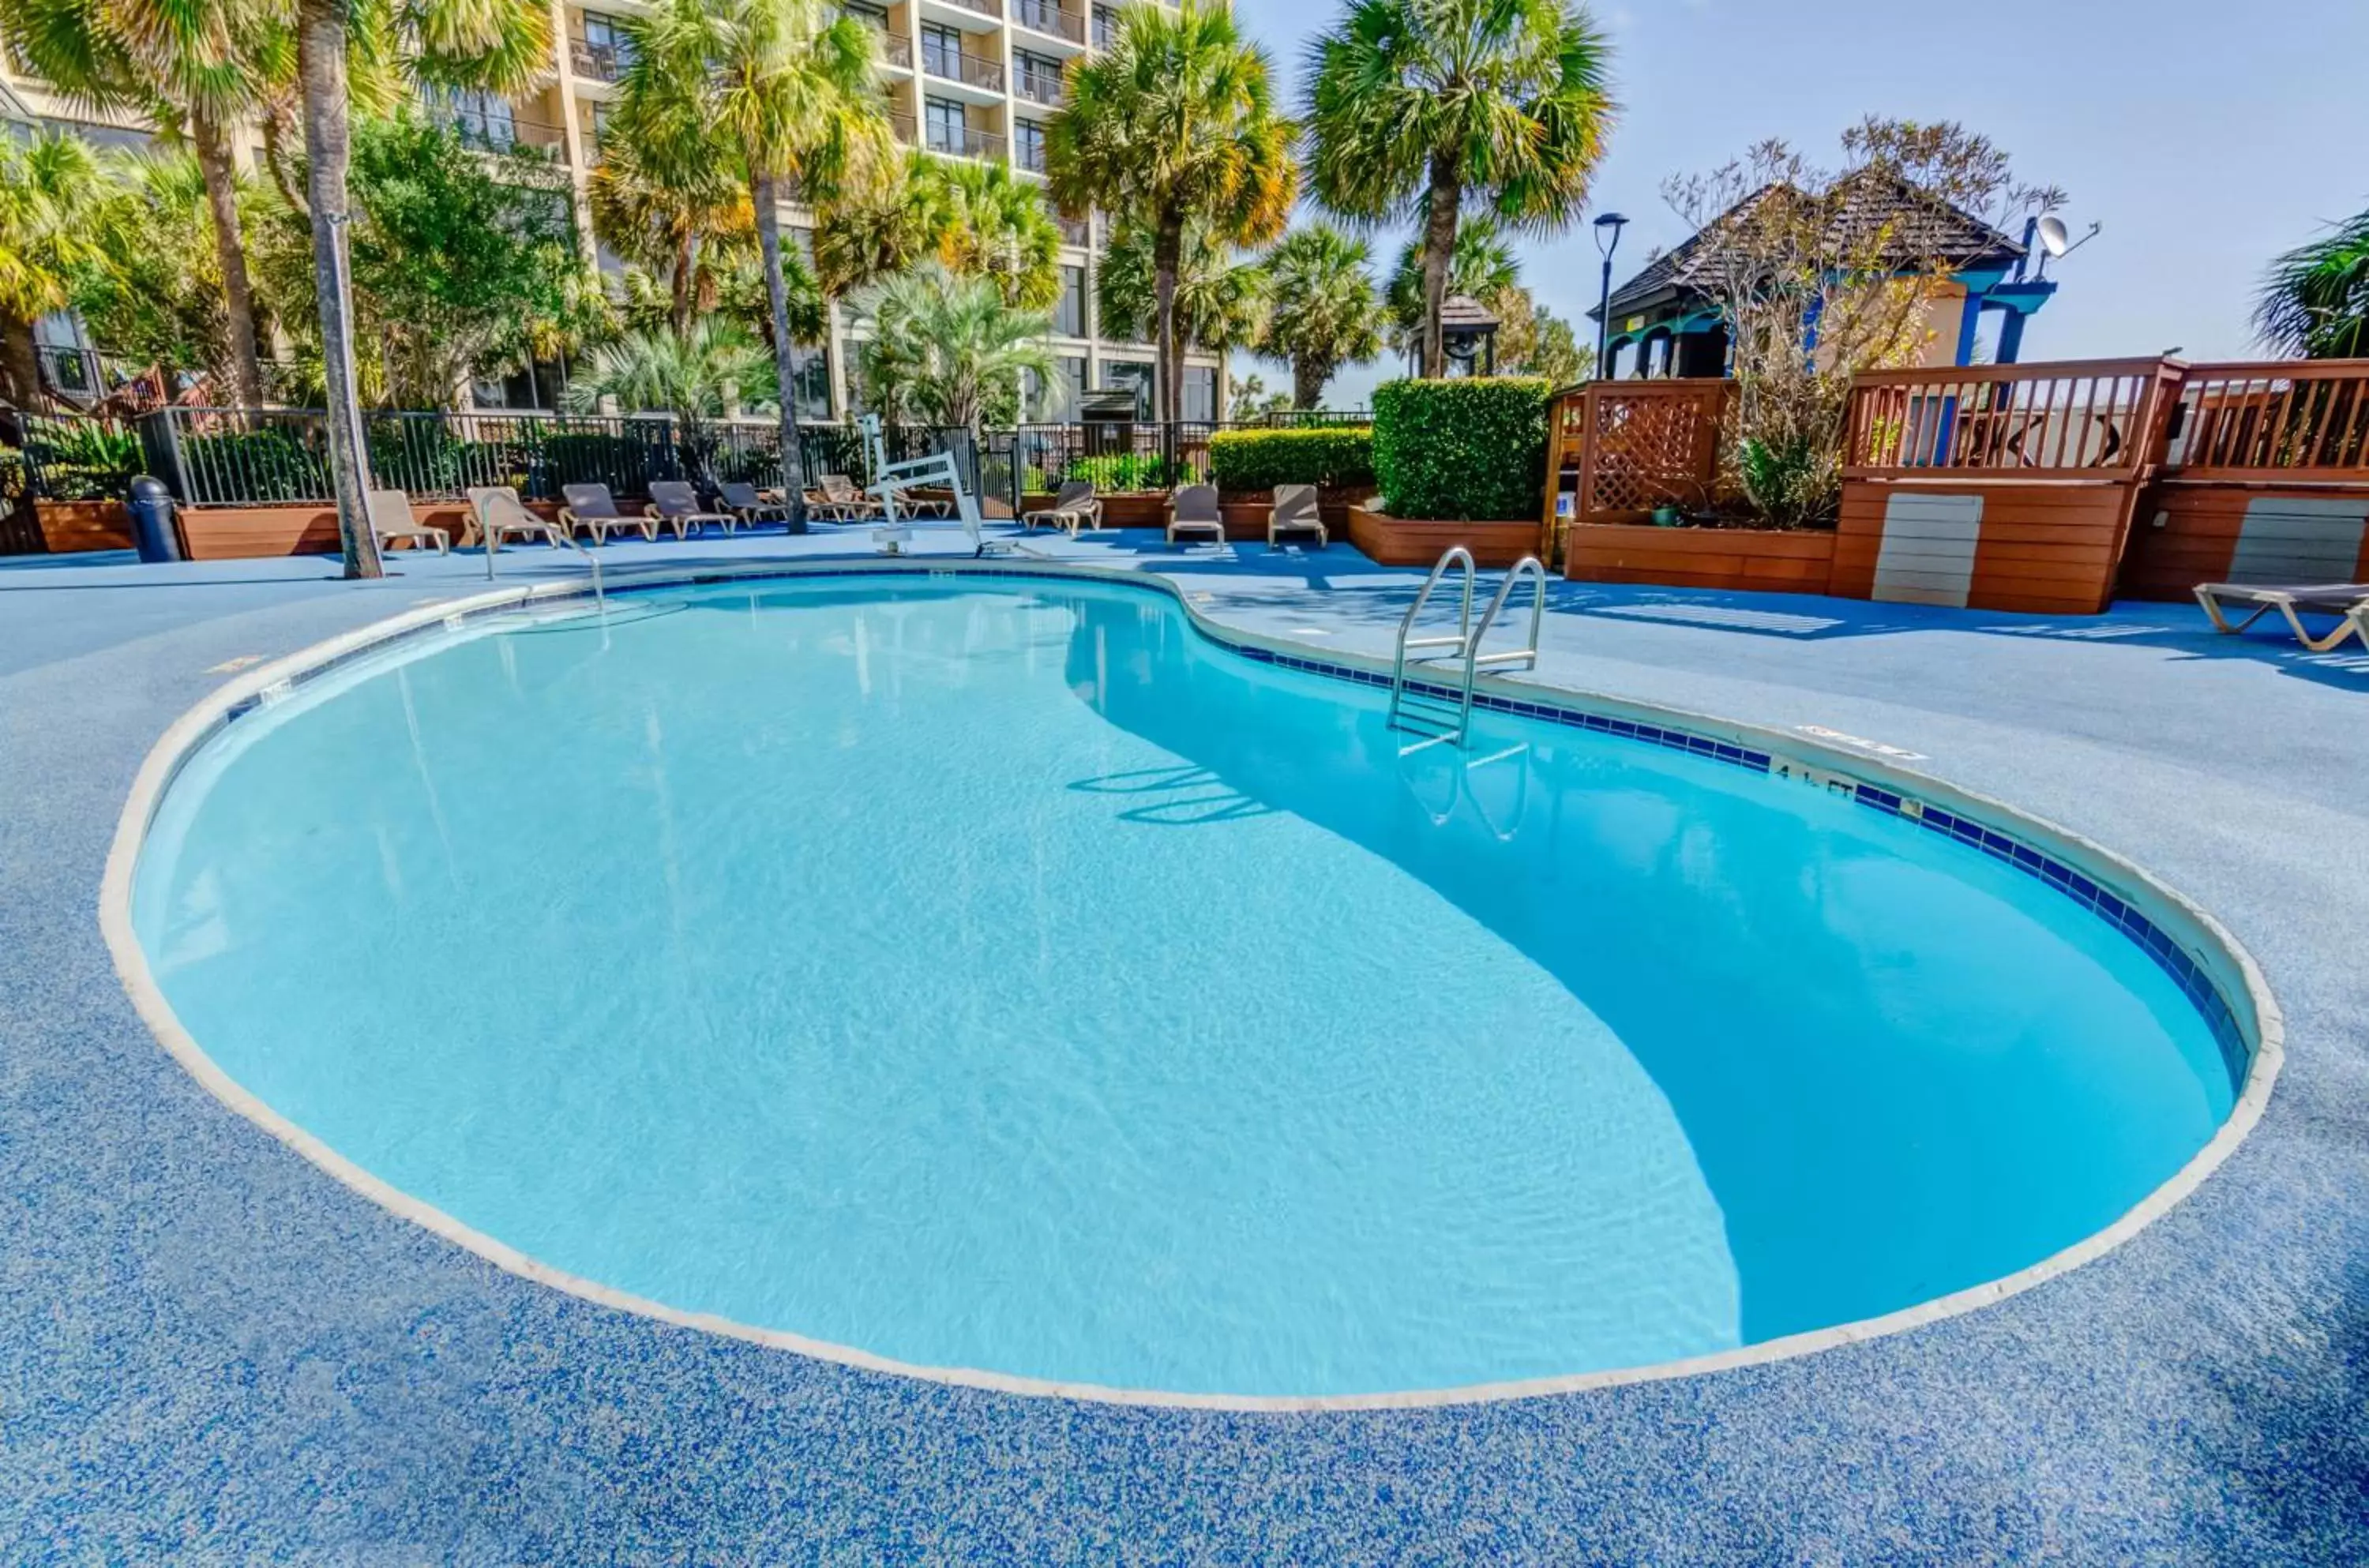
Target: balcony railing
{"type": "Point", "coordinates": [491, 132]}
{"type": "Point", "coordinates": [984, 7]}
{"type": "Point", "coordinates": [903, 124]}
{"type": "Point", "coordinates": [1054, 21]}
{"type": "Point", "coordinates": [963, 141]}
{"type": "Point", "coordinates": [896, 50]}
{"type": "Point", "coordinates": [1038, 86]}
{"type": "Point", "coordinates": [1029, 155]}
{"type": "Point", "coordinates": [969, 69]}
{"type": "Point", "coordinates": [598, 62]}
{"type": "Point", "coordinates": [1074, 230]}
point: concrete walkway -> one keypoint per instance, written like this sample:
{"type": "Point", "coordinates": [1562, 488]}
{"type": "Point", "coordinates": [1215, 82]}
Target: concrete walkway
{"type": "Point", "coordinates": [212, 1353]}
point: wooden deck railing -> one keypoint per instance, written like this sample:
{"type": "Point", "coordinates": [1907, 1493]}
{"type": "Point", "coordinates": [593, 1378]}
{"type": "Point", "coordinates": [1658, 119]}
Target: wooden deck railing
{"type": "Point", "coordinates": [2081, 419]}
{"type": "Point", "coordinates": [2296, 421]}
{"type": "Point", "coordinates": [1638, 445]}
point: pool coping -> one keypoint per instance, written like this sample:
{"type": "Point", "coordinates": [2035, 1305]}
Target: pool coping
{"type": "Point", "coordinates": [2212, 955]}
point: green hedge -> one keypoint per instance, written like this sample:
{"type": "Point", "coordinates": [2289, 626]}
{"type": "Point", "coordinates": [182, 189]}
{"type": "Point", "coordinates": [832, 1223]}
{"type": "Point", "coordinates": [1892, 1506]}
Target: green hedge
{"type": "Point", "coordinates": [1260, 460]}
{"type": "Point", "coordinates": [1467, 451]}
{"type": "Point", "coordinates": [1121, 473]}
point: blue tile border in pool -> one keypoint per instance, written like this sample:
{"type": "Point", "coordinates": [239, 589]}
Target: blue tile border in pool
{"type": "Point", "coordinates": [2122, 914]}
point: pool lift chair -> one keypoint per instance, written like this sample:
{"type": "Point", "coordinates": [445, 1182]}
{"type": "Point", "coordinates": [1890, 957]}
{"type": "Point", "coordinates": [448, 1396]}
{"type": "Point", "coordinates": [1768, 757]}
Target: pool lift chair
{"type": "Point", "coordinates": [891, 481]}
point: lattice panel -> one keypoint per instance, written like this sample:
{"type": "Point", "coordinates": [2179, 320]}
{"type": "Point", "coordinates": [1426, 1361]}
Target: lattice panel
{"type": "Point", "coordinates": [1649, 447]}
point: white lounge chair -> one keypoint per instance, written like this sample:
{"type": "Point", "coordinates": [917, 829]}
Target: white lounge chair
{"type": "Point", "coordinates": [676, 501]}
{"type": "Point", "coordinates": [501, 516]}
{"type": "Point", "coordinates": [1194, 509]}
{"type": "Point", "coordinates": [390, 519]}
{"type": "Point", "coordinates": [2348, 601]}
{"type": "Point", "coordinates": [1074, 507]}
{"type": "Point", "coordinates": [1295, 511]}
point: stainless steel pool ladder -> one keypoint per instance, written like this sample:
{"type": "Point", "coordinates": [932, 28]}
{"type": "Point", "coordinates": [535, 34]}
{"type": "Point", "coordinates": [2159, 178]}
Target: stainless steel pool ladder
{"type": "Point", "coordinates": [1433, 718]}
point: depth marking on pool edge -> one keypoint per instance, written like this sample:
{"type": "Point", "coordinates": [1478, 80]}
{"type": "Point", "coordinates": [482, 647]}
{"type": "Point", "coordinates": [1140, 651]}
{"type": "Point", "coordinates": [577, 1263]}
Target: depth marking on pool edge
{"type": "Point", "coordinates": [259, 687]}
{"type": "Point", "coordinates": [1858, 742]}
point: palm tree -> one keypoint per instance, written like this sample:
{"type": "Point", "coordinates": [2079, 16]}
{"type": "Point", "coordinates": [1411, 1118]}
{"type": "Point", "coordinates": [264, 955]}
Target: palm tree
{"type": "Point", "coordinates": [694, 375]}
{"type": "Point", "coordinates": [1175, 123]}
{"type": "Point", "coordinates": [50, 186]}
{"type": "Point", "coordinates": [868, 230]}
{"type": "Point", "coordinates": [948, 350]}
{"type": "Point", "coordinates": [993, 225]}
{"type": "Point", "coordinates": [1416, 108]}
{"type": "Point", "coordinates": [191, 69]}
{"type": "Point", "coordinates": [682, 221]}
{"type": "Point", "coordinates": [785, 87]}
{"type": "Point", "coordinates": [1221, 303]}
{"type": "Point", "coordinates": [1323, 313]}
{"type": "Point", "coordinates": [496, 45]}
{"type": "Point", "coordinates": [1480, 267]}
{"type": "Point", "coordinates": [2314, 301]}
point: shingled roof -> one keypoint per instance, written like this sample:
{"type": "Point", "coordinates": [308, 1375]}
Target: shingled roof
{"type": "Point", "coordinates": [1924, 226]}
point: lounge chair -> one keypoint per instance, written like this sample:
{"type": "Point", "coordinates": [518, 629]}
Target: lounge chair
{"type": "Point", "coordinates": [1074, 507]}
{"type": "Point", "coordinates": [390, 515]}
{"type": "Point", "coordinates": [591, 510]}
{"type": "Point", "coordinates": [674, 501]}
{"type": "Point", "coordinates": [749, 506]}
{"type": "Point", "coordinates": [2349, 601]}
{"type": "Point", "coordinates": [501, 515]}
{"type": "Point", "coordinates": [836, 499]}
{"type": "Point", "coordinates": [1295, 512]}
{"type": "Point", "coordinates": [1194, 509]}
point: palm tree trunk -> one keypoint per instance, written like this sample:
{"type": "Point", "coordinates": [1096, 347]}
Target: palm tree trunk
{"type": "Point", "coordinates": [1438, 250]}
{"type": "Point", "coordinates": [321, 65]}
{"type": "Point", "coordinates": [1308, 379]}
{"type": "Point", "coordinates": [230, 252]}
{"type": "Point", "coordinates": [686, 272]}
{"type": "Point", "coordinates": [20, 364]}
{"type": "Point", "coordinates": [1167, 258]}
{"type": "Point", "coordinates": [786, 372]}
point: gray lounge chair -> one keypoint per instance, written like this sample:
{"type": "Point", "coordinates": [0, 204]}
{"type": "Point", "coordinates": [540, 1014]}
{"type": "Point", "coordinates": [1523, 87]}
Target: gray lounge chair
{"type": "Point", "coordinates": [750, 504]}
{"type": "Point", "coordinates": [1194, 509]}
{"type": "Point", "coordinates": [391, 519]}
{"type": "Point", "coordinates": [2349, 601]}
{"type": "Point", "coordinates": [1075, 507]}
{"type": "Point", "coordinates": [591, 510]}
{"type": "Point", "coordinates": [1295, 512]}
{"type": "Point", "coordinates": [674, 501]}
{"type": "Point", "coordinates": [500, 515]}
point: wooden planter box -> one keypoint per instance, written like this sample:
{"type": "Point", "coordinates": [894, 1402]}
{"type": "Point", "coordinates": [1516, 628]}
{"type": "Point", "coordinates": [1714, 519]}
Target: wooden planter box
{"type": "Point", "coordinates": [1751, 560]}
{"type": "Point", "coordinates": [2189, 533]}
{"type": "Point", "coordinates": [70, 526]}
{"type": "Point", "coordinates": [2036, 547]}
{"type": "Point", "coordinates": [1401, 542]}
{"type": "Point", "coordinates": [230, 533]}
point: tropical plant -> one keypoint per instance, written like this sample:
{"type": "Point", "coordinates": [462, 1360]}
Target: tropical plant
{"type": "Point", "coordinates": [1251, 399]}
{"type": "Point", "coordinates": [50, 185]}
{"type": "Point", "coordinates": [680, 220]}
{"type": "Point", "coordinates": [457, 265]}
{"type": "Point", "coordinates": [1219, 302]}
{"type": "Point", "coordinates": [990, 224]}
{"type": "Point", "coordinates": [190, 70]}
{"type": "Point", "coordinates": [1482, 267]}
{"type": "Point", "coordinates": [155, 295]}
{"type": "Point", "coordinates": [2314, 301]}
{"type": "Point", "coordinates": [500, 46]}
{"type": "Point", "coordinates": [1533, 341]}
{"type": "Point", "coordinates": [696, 376]}
{"type": "Point", "coordinates": [732, 287]}
{"type": "Point", "coordinates": [1322, 314]}
{"type": "Point", "coordinates": [948, 350]}
{"type": "Point", "coordinates": [867, 232]}
{"type": "Point", "coordinates": [1260, 460]}
{"type": "Point", "coordinates": [1821, 273]}
{"type": "Point", "coordinates": [1174, 124]}
{"type": "Point", "coordinates": [1421, 108]}
{"type": "Point", "coordinates": [785, 88]}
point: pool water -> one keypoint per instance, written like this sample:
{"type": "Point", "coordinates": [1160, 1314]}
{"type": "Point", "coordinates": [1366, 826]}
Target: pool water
{"type": "Point", "coordinates": [999, 975]}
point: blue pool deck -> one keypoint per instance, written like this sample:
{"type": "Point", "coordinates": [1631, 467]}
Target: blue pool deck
{"type": "Point", "coordinates": [211, 1352]}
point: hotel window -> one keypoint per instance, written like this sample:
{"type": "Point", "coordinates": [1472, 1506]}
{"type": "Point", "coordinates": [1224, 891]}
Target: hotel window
{"type": "Point", "coordinates": [611, 47]}
{"type": "Point", "coordinates": [944, 126]}
{"type": "Point", "coordinates": [1028, 144]}
{"type": "Point", "coordinates": [1105, 26]}
{"type": "Point", "coordinates": [1200, 392]}
{"type": "Point", "coordinates": [1130, 375]}
{"type": "Point", "coordinates": [1038, 76]}
{"type": "Point", "coordinates": [1070, 310]}
{"type": "Point", "coordinates": [1071, 384]}
{"type": "Point", "coordinates": [942, 52]}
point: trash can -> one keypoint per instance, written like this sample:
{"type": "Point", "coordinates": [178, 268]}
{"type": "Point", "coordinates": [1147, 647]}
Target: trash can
{"type": "Point", "coordinates": [151, 505]}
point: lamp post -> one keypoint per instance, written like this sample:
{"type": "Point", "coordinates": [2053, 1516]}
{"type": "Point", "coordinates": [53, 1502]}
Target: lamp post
{"type": "Point", "coordinates": [1608, 240]}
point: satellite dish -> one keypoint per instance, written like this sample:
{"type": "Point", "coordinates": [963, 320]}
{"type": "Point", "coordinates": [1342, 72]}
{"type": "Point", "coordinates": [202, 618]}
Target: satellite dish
{"type": "Point", "coordinates": [2053, 238]}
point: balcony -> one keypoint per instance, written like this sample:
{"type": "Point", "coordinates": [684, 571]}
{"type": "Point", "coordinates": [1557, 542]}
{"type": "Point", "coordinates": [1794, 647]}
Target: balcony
{"type": "Point", "coordinates": [1029, 154]}
{"type": "Point", "coordinates": [983, 7]}
{"type": "Point", "coordinates": [970, 70]}
{"type": "Point", "coordinates": [903, 124]}
{"type": "Point", "coordinates": [597, 61]}
{"type": "Point", "coordinates": [1052, 20]}
{"type": "Point", "coordinates": [896, 50]}
{"type": "Point", "coordinates": [1074, 230]}
{"type": "Point", "coordinates": [963, 141]}
{"type": "Point", "coordinates": [496, 129]}
{"type": "Point", "coordinates": [1038, 86]}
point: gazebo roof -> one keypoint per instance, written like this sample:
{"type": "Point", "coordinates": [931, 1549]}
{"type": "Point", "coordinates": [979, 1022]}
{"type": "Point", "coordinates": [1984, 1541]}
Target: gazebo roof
{"type": "Point", "coordinates": [1462, 312]}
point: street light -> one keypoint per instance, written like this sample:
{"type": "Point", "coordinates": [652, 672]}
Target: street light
{"type": "Point", "coordinates": [1608, 240]}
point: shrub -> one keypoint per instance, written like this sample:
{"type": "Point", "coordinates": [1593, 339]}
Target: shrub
{"type": "Point", "coordinates": [1473, 450]}
{"type": "Point", "coordinates": [81, 461]}
{"type": "Point", "coordinates": [254, 467]}
{"type": "Point", "coordinates": [1260, 460]}
{"type": "Point", "coordinates": [1116, 472]}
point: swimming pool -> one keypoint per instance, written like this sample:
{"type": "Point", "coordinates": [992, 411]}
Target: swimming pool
{"type": "Point", "coordinates": [999, 975]}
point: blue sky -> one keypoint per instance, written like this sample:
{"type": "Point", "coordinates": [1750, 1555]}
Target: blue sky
{"type": "Point", "coordinates": [2205, 137]}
